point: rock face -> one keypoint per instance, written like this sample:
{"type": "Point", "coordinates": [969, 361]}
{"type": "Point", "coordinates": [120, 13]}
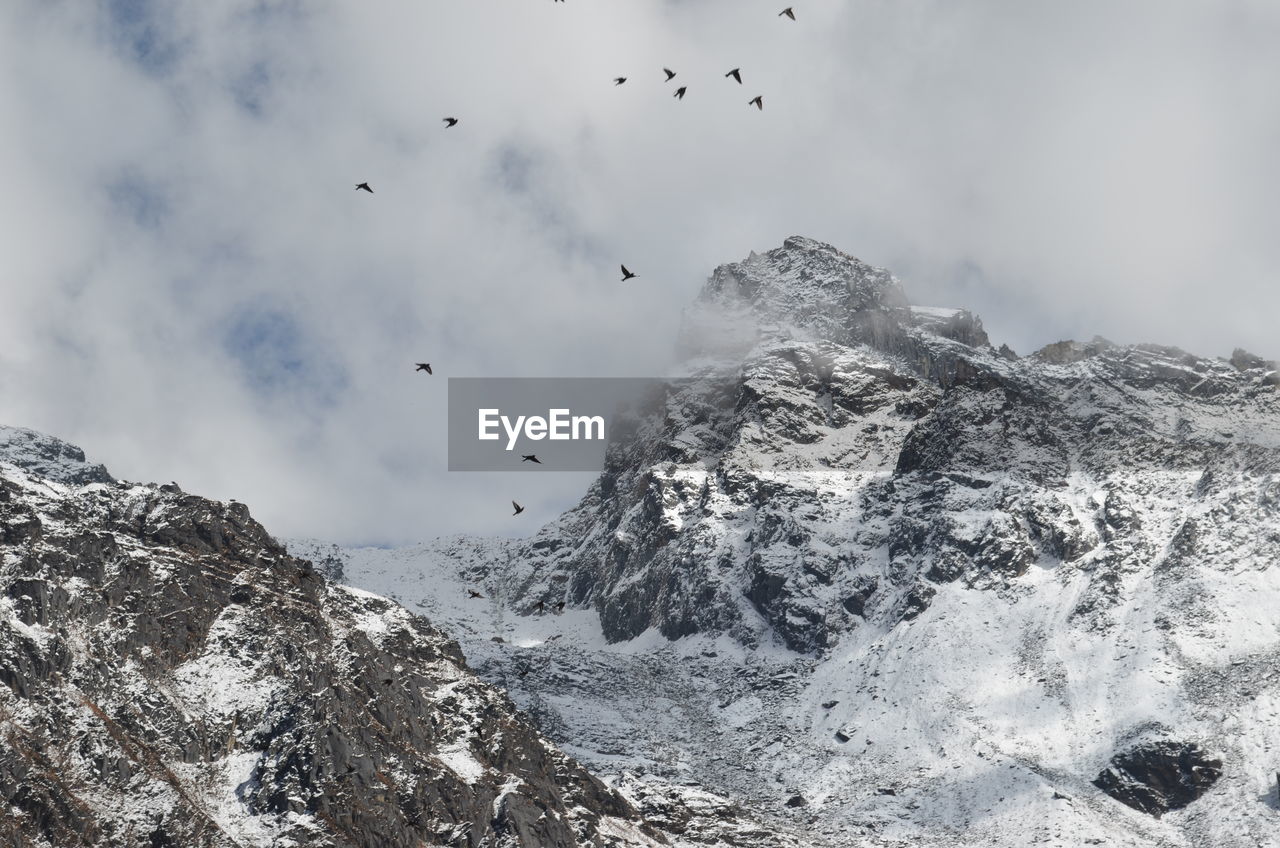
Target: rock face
{"type": "Point", "coordinates": [170, 676]}
{"type": "Point", "coordinates": [1159, 776]}
{"type": "Point", "coordinates": [835, 454]}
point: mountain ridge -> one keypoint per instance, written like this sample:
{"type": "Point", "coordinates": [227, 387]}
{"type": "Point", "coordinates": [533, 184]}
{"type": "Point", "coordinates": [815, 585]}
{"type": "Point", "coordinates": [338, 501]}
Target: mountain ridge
{"type": "Point", "coordinates": [981, 583]}
{"type": "Point", "coordinates": [171, 676]}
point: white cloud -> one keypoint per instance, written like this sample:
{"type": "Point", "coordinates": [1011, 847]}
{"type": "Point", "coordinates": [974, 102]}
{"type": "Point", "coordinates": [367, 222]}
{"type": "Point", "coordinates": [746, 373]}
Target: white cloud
{"type": "Point", "coordinates": [193, 289]}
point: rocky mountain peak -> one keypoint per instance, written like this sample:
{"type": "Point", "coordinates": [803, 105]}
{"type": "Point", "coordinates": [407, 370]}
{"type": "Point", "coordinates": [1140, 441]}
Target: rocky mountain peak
{"type": "Point", "coordinates": [53, 459]}
{"type": "Point", "coordinates": [792, 281]}
{"type": "Point", "coordinates": [804, 288]}
{"type": "Point", "coordinates": [838, 454]}
{"type": "Point", "coordinates": [809, 290]}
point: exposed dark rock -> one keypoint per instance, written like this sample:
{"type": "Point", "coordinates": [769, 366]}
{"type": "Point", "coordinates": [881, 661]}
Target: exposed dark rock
{"type": "Point", "coordinates": [1243, 360]}
{"type": "Point", "coordinates": [856, 601]}
{"type": "Point", "coordinates": [916, 601]}
{"type": "Point", "coordinates": [1156, 777]}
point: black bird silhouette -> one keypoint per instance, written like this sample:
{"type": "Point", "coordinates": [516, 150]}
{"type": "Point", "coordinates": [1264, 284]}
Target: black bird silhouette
{"type": "Point", "coordinates": [626, 275]}
{"type": "Point", "coordinates": [736, 73]}
{"type": "Point", "coordinates": [472, 593]}
{"type": "Point", "coordinates": [424, 366]}
{"type": "Point", "coordinates": [553, 638]}
{"type": "Point", "coordinates": [519, 509]}
{"type": "Point", "coordinates": [619, 80]}
{"type": "Point", "coordinates": [670, 73]}
{"type": "Point", "coordinates": [364, 186]}
{"type": "Point", "coordinates": [679, 95]}
{"type": "Point", "coordinates": [787, 11]}
{"type": "Point", "coordinates": [448, 122]}
{"type": "Point", "coordinates": [533, 457]}
{"type": "Point", "coordinates": [758, 102]}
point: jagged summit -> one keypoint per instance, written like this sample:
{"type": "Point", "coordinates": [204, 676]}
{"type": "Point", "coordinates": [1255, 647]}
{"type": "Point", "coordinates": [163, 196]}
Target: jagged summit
{"type": "Point", "coordinates": [808, 289]}
{"type": "Point", "coordinates": [45, 456]}
{"type": "Point", "coordinates": [805, 283]}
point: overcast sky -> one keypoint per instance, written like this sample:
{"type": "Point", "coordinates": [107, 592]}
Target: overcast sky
{"type": "Point", "coordinates": [191, 289]}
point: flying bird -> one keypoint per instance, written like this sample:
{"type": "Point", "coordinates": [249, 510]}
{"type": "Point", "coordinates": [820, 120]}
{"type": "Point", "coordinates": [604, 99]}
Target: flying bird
{"type": "Point", "coordinates": [736, 73]}
{"type": "Point", "coordinates": [619, 80]}
{"type": "Point", "coordinates": [423, 366]}
{"type": "Point", "coordinates": [472, 593]}
{"type": "Point", "coordinates": [626, 275]}
{"type": "Point", "coordinates": [679, 95]}
{"type": "Point", "coordinates": [670, 73]}
{"type": "Point", "coordinates": [758, 102]}
{"type": "Point", "coordinates": [533, 457]}
{"type": "Point", "coordinates": [787, 11]}
{"type": "Point", "coordinates": [448, 122]}
{"type": "Point", "coordinates": [364, 186]}
{"type": "Point", "coordinates": [519, 509]}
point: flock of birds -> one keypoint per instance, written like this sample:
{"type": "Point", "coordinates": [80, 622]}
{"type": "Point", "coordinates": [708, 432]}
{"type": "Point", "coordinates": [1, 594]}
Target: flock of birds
{"type": "Point", "coordinates": [735, 73]}
{"type": "Point", "coordinates": [757, 101]}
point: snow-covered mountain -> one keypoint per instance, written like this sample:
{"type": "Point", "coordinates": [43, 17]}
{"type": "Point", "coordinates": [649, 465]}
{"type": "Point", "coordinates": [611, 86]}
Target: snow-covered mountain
{"type": "Point", "coordinates": [170, 676]}
{"type": "Point", "coordinates": [878, 582]}
{"type": "Point", "coordinates": [856, 578]}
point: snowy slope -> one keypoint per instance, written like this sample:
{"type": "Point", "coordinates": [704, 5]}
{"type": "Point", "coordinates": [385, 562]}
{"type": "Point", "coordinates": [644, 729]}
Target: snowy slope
{"type": "Point", "coordinates": [873, 578]}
